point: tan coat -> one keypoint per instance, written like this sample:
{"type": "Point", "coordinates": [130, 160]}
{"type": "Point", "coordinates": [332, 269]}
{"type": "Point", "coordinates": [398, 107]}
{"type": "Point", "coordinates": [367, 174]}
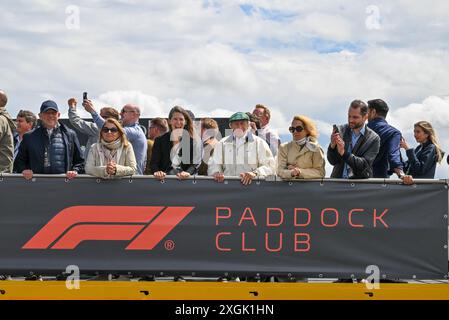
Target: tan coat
{"type": "Point", "coordinates": [310, 163]}
{"type": "Point", "coordinates": [6, 141]}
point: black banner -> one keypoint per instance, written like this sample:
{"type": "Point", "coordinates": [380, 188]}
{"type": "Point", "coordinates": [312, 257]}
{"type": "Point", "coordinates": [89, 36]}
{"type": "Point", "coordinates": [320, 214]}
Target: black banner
{"type": "Point", "coordinates": [306, 229]}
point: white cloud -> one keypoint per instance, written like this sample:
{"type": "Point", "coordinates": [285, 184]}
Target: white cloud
{"type": "Point", "coordinates": [297, 57]}
{"type": "Point", "coordinates": [325, 26]}
{"type": "Point", "coordinates": [149, 106]}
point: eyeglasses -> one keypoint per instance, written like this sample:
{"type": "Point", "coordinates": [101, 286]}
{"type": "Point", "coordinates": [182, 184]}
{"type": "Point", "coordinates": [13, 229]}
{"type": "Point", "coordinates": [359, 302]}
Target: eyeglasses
{"type": "Point", "coordinates": [111, 130]}
{"type": "Point", "coordinates": [125, 111]}
{"type": "Point", "coordinates": [297, 129]}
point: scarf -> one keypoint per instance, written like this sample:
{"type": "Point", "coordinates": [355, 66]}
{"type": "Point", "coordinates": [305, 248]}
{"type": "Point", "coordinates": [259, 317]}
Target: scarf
{"type": "Point", "coordinates": [109, 150]}
{"type": "Point", "coordinates": [309, 142]}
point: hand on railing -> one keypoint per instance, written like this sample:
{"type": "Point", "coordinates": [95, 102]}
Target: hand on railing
{"type": "Point", "coordinates": [218, 176]}
{"type": "Point", "coordinates": [27, 174]}
{"type": "Point", "coordinates": [183, 175]}
{"type": "Point", "coordinates": [247, 177]}
{"type": "Point", "coordinates": [71, 174]}
{"type": "Point", "coordinates": [160, 175]}
{"type": "Point", "coordinates": [407, 179]}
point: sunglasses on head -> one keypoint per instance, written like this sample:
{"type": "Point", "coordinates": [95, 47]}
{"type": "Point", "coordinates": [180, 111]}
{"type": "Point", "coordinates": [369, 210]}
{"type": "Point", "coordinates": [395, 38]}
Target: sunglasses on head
{"type": "Point", "coordinates": [297, 129]}
{"type": "Point", "coordinates": [112, 130]}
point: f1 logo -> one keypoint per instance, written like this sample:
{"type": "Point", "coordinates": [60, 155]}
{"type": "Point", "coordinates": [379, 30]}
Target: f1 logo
{"type": "Point", "coordinates": [145, 227]}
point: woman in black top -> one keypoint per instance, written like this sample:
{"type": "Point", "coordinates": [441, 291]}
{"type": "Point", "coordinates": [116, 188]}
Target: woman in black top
{"type": "Point", "coordinates": [175, 152]}
{"type": "Point", "coordinates": [423, 159]}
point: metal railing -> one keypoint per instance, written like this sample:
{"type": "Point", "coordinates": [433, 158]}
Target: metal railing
{"type": "Point", "coordinates": [271, 178]}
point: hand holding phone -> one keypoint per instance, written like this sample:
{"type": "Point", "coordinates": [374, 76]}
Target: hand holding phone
{"type": "Point", "coordinates": [334, 136]}
{"type": "Point", "coordinates": [336, 129]}
{"type": "Point", "coordinates": [88, 106]}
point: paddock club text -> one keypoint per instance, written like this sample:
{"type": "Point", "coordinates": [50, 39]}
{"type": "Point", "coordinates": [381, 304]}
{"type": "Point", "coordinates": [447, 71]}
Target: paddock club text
{"type": "Point", "coordinates": [275, 221]}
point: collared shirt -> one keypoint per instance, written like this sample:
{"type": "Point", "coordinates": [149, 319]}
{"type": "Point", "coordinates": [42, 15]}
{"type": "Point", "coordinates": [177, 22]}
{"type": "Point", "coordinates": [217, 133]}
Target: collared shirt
{"type": "Point", "coordinates": [17, 141]}
{"type": "Point", "coordinates": [239, 141]}
{"type": "Point", "coordinates": [354, 139]}
{"type": "Point", "coordinates": [50, 131]}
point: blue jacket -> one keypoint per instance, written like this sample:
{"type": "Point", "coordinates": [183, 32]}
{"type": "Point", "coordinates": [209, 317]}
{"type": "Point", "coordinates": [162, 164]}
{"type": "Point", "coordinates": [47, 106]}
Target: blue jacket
{"type": "Point", "coordinates": [32, 149]}
{"type": "Point", "coordinates": [389, 156]}
{"type": "Point", "coordinates": [422, 161]}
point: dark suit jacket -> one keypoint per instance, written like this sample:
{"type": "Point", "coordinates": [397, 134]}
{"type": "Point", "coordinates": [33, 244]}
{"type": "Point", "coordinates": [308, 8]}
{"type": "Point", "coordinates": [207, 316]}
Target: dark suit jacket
{"type": "Point", "coordinates": [360, 160]}
{"type": "Point", "coordinates": [160, 158]}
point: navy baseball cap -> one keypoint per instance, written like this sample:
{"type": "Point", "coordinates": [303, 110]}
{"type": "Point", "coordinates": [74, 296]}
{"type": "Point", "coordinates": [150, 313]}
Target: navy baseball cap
{"type": "Point", "coordinates": [49, 104]}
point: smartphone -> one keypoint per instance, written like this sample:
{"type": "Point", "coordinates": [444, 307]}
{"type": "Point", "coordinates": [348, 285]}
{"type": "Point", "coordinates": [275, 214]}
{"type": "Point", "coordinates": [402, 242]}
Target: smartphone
{"type": "Point", "coordinates": [336, 129]}
{"type": "Point", "coordinates": [84, 95]}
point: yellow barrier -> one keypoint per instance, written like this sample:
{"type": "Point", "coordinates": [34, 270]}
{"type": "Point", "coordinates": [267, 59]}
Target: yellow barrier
{"type": "Point", "coordinates": [132, 290]}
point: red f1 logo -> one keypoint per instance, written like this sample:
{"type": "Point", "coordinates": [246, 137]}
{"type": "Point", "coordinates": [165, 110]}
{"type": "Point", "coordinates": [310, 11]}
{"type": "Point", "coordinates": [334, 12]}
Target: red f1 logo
{"type": "Point", "coordinates": [145, 226]}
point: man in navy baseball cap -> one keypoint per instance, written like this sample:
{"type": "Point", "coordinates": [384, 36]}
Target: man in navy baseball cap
{"type": "Point", "coordinates": [49, 105]}
{"type": "Point", "coordinates": [51, 148]}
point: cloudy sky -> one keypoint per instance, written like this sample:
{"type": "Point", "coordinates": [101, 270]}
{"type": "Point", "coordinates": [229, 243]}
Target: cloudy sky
{"type": "Point", "coordinates": [218, 57]}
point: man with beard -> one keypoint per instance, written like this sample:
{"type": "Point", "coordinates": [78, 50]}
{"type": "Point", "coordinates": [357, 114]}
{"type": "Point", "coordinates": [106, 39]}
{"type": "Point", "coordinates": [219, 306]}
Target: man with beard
{"type": "Point", "coordinates": [353, 146]}
{"type": "Point", "coordinates": [270, 136]}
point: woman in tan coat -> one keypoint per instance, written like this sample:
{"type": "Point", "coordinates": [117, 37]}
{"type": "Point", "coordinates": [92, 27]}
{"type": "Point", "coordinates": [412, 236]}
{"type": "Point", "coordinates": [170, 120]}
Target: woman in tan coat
{"type": "Point", "coordinates": [113, 156]}
{"type": "Point", "coordinates": [301, 158]}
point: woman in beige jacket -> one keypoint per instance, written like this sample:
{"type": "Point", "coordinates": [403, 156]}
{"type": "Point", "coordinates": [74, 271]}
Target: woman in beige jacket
{"type": "Point", "coordinates": [113, 156]}
{"type": "Point", "coordinates": [301, 158]}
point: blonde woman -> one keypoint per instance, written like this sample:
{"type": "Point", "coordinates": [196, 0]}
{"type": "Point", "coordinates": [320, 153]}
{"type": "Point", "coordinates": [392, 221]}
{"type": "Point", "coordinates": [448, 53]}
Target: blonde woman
{"type": "Point", "coordinates": [113, 156]}
{"type": "Point", "coordinates": [423, 159]}
{"type": "Point", "coordinates": [301, 158]}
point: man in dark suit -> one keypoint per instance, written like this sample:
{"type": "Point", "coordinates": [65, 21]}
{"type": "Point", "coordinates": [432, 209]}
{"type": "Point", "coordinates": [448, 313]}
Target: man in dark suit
{"type": "Point", "coordinates": [353, 146]}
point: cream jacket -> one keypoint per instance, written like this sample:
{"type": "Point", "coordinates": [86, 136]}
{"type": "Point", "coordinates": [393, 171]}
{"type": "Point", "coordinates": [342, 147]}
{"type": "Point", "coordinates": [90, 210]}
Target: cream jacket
{"type": "Point", "coordinates": [96, 166]}
{"type": "Point", "coordinates": [253, 155]}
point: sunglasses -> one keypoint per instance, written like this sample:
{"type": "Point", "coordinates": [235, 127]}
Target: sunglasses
{"type": "Point", "coordinates": [297, 129]}
{"type": "Point", "coordinates": [112, 130]}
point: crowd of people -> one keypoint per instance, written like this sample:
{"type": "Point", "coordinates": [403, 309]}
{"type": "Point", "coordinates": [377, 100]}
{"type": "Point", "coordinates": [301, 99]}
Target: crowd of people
{"type": "Point", "coordinates": [365, 147]}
